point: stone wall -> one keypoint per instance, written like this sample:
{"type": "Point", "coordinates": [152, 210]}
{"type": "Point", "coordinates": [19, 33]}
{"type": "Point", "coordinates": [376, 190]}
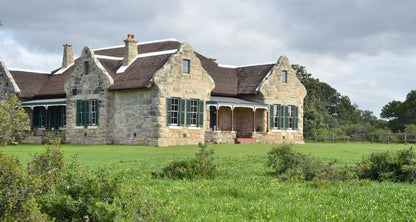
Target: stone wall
{"type": "Point", "coordinates": [219, 137]}
{"type": "Point", "coordinates": [94, 85]}
{"type": "Point", "coordinates": [172, 82]}
{"type": "Point", "coordinates": [136, 117]}
{"type": "Point", "coordinates": [274, 91]}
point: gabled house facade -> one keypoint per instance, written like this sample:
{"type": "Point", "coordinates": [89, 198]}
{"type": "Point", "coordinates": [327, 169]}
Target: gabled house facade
{"type": "Point", "coordinates": [160, 93]}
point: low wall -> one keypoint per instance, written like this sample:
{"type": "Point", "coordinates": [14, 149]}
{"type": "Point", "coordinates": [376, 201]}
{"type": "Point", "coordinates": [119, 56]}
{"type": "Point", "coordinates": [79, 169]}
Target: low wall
{"type": "Point", "coordinates": [218, 137]}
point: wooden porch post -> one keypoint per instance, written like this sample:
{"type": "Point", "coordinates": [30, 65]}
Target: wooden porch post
{"type": "Point", "coordinates": [46, 117]}
{"type": "Point", "coordinates": [267, 120]}
{"type": "Point", "coordinates": [254, 119]}
{"type": "Point", "coordinates": [232, 118]}
{"type": "Point", "coordinates": [217, 120]}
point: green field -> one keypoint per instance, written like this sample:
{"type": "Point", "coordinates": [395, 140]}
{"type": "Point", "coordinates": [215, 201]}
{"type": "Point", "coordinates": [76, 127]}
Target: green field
{"type": "Point", "coordinates": [245, 190]}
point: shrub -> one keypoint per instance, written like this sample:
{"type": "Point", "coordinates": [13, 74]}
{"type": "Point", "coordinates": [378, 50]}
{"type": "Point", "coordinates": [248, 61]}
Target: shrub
{"type": "Point", "coordinates": [201, 167]}
{"type": "Point", "coordinates": [396, 166]}
{"type": "Point", "coordinates": [288, 163]}
{"type": "Point", "coordinates": [17, 194]}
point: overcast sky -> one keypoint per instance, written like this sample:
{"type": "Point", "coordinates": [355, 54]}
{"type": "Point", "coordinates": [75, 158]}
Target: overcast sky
{"type": "Point", "coordinates": [366, 49]}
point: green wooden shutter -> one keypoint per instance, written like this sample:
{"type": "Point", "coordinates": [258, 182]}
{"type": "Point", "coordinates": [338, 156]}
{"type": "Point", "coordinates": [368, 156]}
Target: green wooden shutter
{"type": "Point", "coordinates": [201, 113]}
{"type": "Point", "coordinates": [97, 112]}
{"type": "Point", "coordinates": [78, 116]}
{"type": "Point", "coordinates": [286, 117]}
{"type": "Point", "coordinates": [281, 117]}
{"type": "Point", "coordinates": [271, 116]}
{"type": "Point", "coordinates": [168, 111]}
{"type": "Point", "coordinates": [296, 118]}
{"type": "Point", "coordinates": [188, 112]}
{"type": "Point", "coordinates": [182, 112]}
{"type": "Point", "coordinates": [86, 112]}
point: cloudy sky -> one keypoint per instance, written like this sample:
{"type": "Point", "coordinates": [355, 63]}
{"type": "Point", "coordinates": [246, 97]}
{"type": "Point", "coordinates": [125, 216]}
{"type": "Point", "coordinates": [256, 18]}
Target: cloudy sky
{"type": "Point", "coordinates": [366, 49]}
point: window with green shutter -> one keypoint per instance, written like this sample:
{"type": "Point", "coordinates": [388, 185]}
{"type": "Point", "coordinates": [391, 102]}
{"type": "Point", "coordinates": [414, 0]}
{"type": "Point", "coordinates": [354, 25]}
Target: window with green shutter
{"type": "Point", "coordinates": [275, 122]}
{"type": "Point", "coordinates": [296, 118]}
{"type": "Point", "coordinates": [87, 112]}
{"type": "Point", "coordinates": [182, 112]}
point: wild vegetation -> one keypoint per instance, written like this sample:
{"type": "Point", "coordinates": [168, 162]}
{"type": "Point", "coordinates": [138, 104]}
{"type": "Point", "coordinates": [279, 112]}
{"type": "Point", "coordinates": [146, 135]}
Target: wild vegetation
{"type": "Point", "coordinates": [13, 120]}
{"type": "Point", "coordinates": [243, 189]}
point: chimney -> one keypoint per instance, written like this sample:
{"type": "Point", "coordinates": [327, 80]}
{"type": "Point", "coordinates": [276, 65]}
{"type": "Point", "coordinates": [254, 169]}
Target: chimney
{"type": "Point", "coordinates": [68, 58]}
{"type": "Point", "coordinates": [130, 52]}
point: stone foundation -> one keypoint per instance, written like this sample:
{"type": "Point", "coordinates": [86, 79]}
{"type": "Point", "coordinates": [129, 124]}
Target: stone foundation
{"type": "Point", "coordinates": [219, 137]}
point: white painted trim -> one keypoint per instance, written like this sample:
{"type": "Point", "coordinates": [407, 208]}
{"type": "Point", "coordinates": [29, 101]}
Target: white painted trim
{"type": "Point", "coordinates": [109, 57]}
{"type": "Point", "coordinates": [140, 43]}
{"type": "Point", "coordinates": [246, 65]}
{"type": "Point", "coordinates": [11, 79]}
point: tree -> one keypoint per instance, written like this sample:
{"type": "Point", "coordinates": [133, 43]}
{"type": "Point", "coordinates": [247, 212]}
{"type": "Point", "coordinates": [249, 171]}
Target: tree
{"type": "Point", "coordinates": [13, 120]}
{"type": "Point", "coordinates": [399, 113]}
{"type": "Point", "coordinates": [326, 109]}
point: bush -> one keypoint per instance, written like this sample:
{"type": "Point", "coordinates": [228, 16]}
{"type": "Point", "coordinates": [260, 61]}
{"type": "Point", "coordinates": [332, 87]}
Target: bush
{"type": "Point", "coordinates": [201, 167]}
{"type": "Point", "coordinates": [396, 166]}
{"type": "Point", "coordinates": [288, 163]}
{"type": "Point", "coordinates": [17, 194]}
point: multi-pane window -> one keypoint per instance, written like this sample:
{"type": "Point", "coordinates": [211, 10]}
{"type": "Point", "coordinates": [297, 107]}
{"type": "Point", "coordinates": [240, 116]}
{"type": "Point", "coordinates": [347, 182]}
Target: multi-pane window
{"type": "Point", "coordinates": [86, 67]}
{"type": "Point", "coordinates": [186, 63]}
{"type": "Point", "coordinates": [275, 116]}
{"type": "Point", "coordinates": [284, 76]}
{"type": "Point", "coordinates": [182, 112]}
{"type": "Point", "coordinates": [290, 115]}
{"type": "Point", "coordinates": [284, 117]}
{"type": "Point", "coordinates": [87, 112]}
{"type": "Point", "coordinates": [93, 112]}
{"type": "Point", "coordinates": [193, 112]}
{"type": "Point", "coordinates": [174, 120]}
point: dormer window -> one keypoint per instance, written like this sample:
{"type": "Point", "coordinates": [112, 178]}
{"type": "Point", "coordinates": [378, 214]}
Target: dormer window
{"type": "Point", "coordinates": [284, 76]}
{"type": "Point", "coordinates": [86, 67]}
{"type": "Point", "coordinates": [186, 63]}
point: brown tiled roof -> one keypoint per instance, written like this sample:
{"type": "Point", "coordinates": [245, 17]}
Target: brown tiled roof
{"type": "Point", "coordinates": [28, 82]}
{"type": "Point", "coordinates": [228, 81]}
{"type": "Point", "coordinates": [234, 81]}
{"type": "Point", "coordinates": [250, 77]}
{"type": "Point", "coordinates": [139, 73]}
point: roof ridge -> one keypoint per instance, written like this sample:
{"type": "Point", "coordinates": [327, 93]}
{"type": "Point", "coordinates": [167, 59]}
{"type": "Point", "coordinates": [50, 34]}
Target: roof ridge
{"type": "Point", "coordinates": [140, 43]}
{"type": "Point", "coordinates": [246, 65]}
{"type": "Point", "coordinates": [30, 71]}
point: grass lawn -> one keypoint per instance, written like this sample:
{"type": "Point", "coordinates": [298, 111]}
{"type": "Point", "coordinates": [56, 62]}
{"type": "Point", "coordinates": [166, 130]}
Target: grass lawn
{"type": "Point", "coordinates": [245, 190]}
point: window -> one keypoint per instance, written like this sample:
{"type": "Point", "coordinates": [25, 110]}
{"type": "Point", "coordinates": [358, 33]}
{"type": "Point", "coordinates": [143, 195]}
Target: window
{"type": "Point", "coordinates": [93, 112]}
{"type": "Point", "coordinates": [283, 117]}
{"type": "Point", "coordinates": [291, 111]}
{"type": "Point", "coordinates": [186, 66]}
{"type": "Point", "coordinates": [175, 108]}
{"type": "Point", "coordinates": [275, 117]}
{"type": "Point", "coordinates": [86, 67]}
{"type": "Point", "coordinates": [87, 112]}
{"type": "Point", "coordinates": [175, 112]}
{"type": "Point", "coordinates": [1, 76]}
{"type": "Point", "coordinates": [284, 76]}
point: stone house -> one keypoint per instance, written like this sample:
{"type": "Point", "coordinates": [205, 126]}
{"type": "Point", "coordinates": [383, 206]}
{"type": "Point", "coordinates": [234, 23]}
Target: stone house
{"type": "Point", "coordinates": [160, 93]}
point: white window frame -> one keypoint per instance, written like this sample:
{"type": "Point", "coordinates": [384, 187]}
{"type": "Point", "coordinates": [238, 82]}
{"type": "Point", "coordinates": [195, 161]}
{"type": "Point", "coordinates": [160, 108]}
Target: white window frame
{"type": "Point", "coordinates": [63, 116]}
{"type": "Point", "coordinates": [175, 111]}
{"type": "Point", "coordinates": [275, 117]}
{"type": "Point", "coordinates": [291, 121]}
{"type": "Point", "coordinates": [194, 112]}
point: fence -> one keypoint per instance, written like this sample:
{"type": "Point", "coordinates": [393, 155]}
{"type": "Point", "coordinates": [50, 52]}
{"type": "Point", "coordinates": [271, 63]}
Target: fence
{"type": "Point", "coordinates": [363, 137]}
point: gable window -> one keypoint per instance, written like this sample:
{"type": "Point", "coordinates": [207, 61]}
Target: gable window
{"type": "Point", "coordinates": [87, 112]}
{"type": "Point", "coordinates": [86, 67]}
{"type": "Point", "coordinates": [186, 65]}
{"type": "Point", "coordinates": [284, 76]}
{"type": "Point", "coordinates": [1, 76]}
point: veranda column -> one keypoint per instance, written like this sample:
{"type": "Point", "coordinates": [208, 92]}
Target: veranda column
{"type": "Point", "coordinates": [254, 119]}
{"type": "Point", "coordinates": [217, 120]}
{"type": "Point", "coordinates": [232, 118]}
{"type": "Point", "coordinates": [46, 117]}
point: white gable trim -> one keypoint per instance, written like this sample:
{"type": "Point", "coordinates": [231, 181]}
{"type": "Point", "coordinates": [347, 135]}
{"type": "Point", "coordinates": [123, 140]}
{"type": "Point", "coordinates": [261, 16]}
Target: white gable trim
{"type": "Point", "coordinates": [123, 68]}
{"type": "Point", "coordinates": [11, 79]}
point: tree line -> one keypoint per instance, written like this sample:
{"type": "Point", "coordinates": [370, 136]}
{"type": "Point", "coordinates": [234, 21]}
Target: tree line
{"type": "Point", "coordinates": [328, 111]}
